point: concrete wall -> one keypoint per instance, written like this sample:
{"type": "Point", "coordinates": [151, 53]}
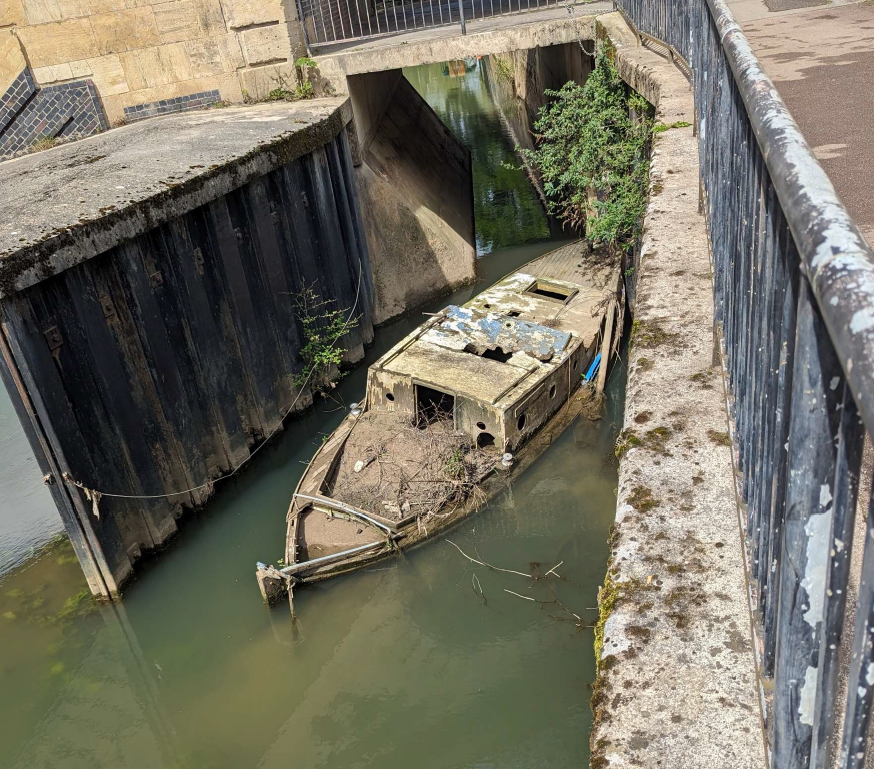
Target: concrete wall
{"type": "Point", "coordinates": [416, 188]}
{"type": "Point", "coordinates": [156, 345]}
{"type": "Point", "coordinates": [676, 683]}
{"type": "Point", "coordinates": [148, 51]}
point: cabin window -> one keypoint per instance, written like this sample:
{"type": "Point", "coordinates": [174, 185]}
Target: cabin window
{"type": "Point", "coordinates": [552, 391]}
{"type": "Point", "coordinates": [520, 423]}
{"type": "Point", "coordinates": [548, 290]}
{"type": "Point", "coordinates": [481, 425]}
{"type": "Point", "coordinates": [389, 397]}
{"type": "Point", "coordinates": [433, 405]}
{"type": "Point", "coordinates": [485, 439]}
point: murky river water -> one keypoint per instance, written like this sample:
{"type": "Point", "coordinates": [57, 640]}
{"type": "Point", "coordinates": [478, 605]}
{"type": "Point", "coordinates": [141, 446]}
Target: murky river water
{"type": "Point", "coordinates": [426, 661]}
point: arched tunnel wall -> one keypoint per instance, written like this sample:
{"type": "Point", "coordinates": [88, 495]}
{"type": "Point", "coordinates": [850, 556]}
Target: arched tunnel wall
{"type": "Point", "coordinates": [416, 188]}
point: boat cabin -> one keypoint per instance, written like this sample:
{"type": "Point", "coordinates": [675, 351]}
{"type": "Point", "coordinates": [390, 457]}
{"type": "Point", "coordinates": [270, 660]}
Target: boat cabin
{"type": "Point", "coordinates": [500, 366]}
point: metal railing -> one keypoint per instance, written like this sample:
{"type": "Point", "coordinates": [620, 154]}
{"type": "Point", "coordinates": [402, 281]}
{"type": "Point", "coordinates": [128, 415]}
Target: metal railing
{"type": "Point", "coordinates": [794, 297]}
{"type": "Point", "coordinates": [335, 21]}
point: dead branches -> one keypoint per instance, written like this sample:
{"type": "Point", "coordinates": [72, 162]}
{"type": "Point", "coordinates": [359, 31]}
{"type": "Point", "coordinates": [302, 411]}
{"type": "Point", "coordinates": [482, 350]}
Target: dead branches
{"type": "Point", "coordinates": [535, 577]}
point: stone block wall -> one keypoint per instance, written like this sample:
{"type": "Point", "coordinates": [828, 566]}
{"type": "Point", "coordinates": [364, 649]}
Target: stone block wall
{"type": "Point", "coordinates": [143, 52]}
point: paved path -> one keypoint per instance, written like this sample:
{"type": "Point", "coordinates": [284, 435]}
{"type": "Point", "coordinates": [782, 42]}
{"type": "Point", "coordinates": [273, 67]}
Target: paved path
{"type": "Point", "coordinates": [822, 61]}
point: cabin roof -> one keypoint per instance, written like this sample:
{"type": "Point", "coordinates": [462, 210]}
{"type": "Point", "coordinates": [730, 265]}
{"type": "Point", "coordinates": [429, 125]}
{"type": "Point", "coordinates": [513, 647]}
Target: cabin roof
{"type": "Point", "coordinates": [456, 350]}
{"type": "Point", "coordinates": [465, 327]}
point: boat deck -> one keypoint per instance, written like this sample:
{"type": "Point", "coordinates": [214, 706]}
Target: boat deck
{"type": "Point", "coordinates": [572, 263]}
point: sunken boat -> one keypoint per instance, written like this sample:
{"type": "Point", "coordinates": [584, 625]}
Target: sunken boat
{"type": "Point", "coordinates": [466, 401]}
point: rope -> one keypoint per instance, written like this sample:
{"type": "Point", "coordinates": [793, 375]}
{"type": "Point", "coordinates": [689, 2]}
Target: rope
{"type": "Point", "coordinates": [94, 496]}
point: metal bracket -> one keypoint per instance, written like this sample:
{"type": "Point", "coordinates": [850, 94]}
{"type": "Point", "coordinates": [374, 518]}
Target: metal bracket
{"type": "Point", "coordinates": [107, 305]}
{"type": "Point", "coordinates": [53, 337]}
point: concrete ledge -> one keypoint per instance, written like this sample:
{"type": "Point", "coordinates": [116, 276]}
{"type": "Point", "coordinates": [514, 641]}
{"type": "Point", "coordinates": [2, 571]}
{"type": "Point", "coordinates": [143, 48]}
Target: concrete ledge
{"type": "Point", "coordinates": [497, 35]}
{"type": "Point", "coordinates": [66, 205]}
{"type": "Point", "coordinates": [677, 679]}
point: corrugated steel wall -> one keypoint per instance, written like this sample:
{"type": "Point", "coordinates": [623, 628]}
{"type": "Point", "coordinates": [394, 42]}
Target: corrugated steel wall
{"type": "Point", "coordinates": [162, 363]}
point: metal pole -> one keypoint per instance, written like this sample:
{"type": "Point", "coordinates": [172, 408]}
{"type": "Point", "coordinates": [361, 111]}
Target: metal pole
{"type": "Point", "coordinates": [461, 15]}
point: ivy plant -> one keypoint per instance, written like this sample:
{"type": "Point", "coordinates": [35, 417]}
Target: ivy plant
{"type": "Point", "coordinates": [592, 152]}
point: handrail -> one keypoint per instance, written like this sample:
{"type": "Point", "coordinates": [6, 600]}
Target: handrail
{"type": "Point", "coordinates": [839, 262]}
{"type": "Point", "coordinates": [794, 304]}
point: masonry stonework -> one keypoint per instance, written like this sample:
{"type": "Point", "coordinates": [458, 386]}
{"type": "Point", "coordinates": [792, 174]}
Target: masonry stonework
{"type": "Point", "coordinates": [138, 52]}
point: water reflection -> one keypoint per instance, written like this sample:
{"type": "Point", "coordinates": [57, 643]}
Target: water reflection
{"type": "Point", "coordinates": [507, 209]}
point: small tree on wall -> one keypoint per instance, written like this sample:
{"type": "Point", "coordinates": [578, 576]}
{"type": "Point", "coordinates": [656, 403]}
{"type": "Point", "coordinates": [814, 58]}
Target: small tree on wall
{"type": "Point", "coordinates": [591, 150]}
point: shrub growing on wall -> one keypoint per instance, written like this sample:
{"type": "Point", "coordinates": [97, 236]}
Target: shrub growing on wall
{"type": "Point", "coordinates": [592, 148]}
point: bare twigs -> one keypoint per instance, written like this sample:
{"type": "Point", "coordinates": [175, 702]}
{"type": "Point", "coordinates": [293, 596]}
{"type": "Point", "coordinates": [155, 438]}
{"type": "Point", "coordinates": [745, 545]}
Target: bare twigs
{"type": "Point", "coordinates": [488, 565]}
{"type": "Point", "coordinates": [535, 576]}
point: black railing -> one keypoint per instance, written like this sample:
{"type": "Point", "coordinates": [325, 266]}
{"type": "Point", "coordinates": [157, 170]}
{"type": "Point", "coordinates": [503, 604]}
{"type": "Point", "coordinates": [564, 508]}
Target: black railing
{"type": "Point", "coordinates": [336, 21]}
{"type": "Point", "coordinates": [794, 298]}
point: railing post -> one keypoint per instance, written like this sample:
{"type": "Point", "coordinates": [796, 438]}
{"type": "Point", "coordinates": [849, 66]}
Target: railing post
{"type": "Point", "coordinates": [807, 532]}
{"type": "Point", "coordinates": [461, 16]}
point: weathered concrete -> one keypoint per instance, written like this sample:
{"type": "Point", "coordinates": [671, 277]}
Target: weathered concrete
{"type": "Point", "coordinates": [416, 188]}
{"type": "Point", "coordinates": [677, 682]}
{"type": "Point", "coordinates": [149, 349]}
{"type": "Point", "coordinates": [66, 205]}
{"type": "Point", "coordinates": [496, 35]}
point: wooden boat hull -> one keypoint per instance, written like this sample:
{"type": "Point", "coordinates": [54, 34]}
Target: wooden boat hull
{"type": "Point", "coordinates": [275, 585]}
{"type": "Point", "coordinates": [510, 363]}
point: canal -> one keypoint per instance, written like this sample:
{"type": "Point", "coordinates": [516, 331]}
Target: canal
{"type": "Point", "coordinates": [423, 661]}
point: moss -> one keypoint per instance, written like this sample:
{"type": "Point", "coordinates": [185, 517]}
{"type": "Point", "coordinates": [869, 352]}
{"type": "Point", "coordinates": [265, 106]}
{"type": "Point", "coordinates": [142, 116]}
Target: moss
{"type": "Point", "coordinates": [719, 438]}
{"type": "Point", "coordinates": [650, 334]}
{"type": "Point", "coordinates": [641, 499]}
{"type": "Point", "coordinates": [702, 378]}
{"type": "Point", "coordinates": [613, 536]}
{"type": "Point", "coordinates": [639, 631]}
{"type": "Point", "coordinates": [655, 439]}
{"type": "Point", "coordinates": [627, 440]}
{"type": "Point", "coordinates": [680, 619]}
{"type": "Point", "coordinates": [608, 595]}
{"type": "Point", "coordinates": [644, 364]}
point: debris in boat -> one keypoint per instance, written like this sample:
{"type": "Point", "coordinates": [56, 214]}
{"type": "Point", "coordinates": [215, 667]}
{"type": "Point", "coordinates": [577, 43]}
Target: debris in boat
{"type": "Point", "coordinates": [412, 467]}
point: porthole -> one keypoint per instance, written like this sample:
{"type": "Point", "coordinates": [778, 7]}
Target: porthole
{"type": "Point", "coordinates": [389, 397]}
{"type": "Point", "coordinates": [481, 425]}
{"type": "Point", "coordinates": [576, 363]}
{"type": "Point", "coordinates": [552, 391]}
{"type": "Point", "coordinates": [520, 423]}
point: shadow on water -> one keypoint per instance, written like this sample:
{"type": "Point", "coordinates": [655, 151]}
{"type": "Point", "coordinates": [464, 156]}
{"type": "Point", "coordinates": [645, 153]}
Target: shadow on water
{"type": "Point", "coordinates": [421, 661]}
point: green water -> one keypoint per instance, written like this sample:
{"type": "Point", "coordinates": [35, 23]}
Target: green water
{"type": "Point", "coordinates": [425, 661]}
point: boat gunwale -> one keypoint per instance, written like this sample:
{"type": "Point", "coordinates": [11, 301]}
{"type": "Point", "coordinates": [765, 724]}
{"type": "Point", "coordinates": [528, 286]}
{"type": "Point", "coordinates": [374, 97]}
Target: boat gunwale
{"type": "Point", "coordinates": [492, 484]}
